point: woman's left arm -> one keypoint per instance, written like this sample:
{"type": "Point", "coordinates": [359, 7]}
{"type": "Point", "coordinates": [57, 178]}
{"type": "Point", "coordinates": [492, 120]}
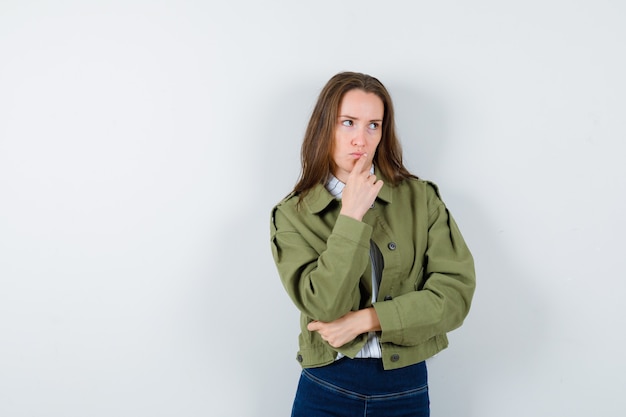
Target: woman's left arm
{"type": "Point", "coordinates": [444, 301]}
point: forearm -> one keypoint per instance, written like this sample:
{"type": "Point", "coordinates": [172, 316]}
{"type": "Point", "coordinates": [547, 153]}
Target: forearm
{"type": "Point", "coordinates": [343, 330]}
{"type": "Point", "coordinates": [368, 319]}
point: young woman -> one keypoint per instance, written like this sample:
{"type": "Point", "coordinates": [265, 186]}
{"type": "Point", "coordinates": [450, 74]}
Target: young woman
{"type": "Point", "coordinates": [371, 257]}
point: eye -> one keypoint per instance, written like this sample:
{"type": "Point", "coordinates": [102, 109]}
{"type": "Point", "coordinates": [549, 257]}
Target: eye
{"type": "Point", "coordinates": [347, 122]}
{"type": "Point", "coordinates": [374, 125]}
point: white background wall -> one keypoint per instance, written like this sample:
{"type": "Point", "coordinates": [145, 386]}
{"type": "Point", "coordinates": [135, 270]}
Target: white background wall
{"type": "Point", "coordinates": [143, 144]}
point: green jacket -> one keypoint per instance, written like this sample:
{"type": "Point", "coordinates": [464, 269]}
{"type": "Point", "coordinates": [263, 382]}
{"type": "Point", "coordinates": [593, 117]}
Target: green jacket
{"type": "Point", "coordinates": [323, 261]}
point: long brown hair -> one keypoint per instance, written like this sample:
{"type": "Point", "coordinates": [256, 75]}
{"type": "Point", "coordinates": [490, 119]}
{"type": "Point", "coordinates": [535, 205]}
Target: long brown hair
{"type": "Point", "coordinates": [317, 146]}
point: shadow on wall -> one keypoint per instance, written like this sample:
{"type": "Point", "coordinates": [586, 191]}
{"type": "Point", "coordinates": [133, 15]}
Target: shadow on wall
{"type": "Point", "coordinates": [501, 338]}
{"type": "Point", "coordinates": [500, 343]}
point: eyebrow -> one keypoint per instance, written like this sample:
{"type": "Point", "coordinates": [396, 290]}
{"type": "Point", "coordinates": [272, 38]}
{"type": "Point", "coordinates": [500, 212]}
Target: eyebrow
{"type": "Point", "coordinates": [356, 118]}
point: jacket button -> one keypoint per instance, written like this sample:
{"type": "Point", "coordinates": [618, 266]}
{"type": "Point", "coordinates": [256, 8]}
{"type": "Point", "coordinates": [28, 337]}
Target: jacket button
{"type": "Point", "coordinates": [387, 298]}
{"type": "Point", "coordinates": [395, 357]}
{"type": "Point", "coordinates": [392, 245]}
{"type": "Point", "coordinates": [299, 358]}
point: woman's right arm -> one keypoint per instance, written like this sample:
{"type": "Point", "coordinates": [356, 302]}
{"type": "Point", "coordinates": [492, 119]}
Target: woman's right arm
{"type": "Point", "coordinates": [324, 285]}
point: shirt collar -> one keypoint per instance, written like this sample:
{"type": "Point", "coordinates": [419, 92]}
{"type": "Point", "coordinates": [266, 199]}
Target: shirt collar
{"type": "Point", "coordinates": [335, 186]}
{"type": "Point", "coordinates": [322, 195]}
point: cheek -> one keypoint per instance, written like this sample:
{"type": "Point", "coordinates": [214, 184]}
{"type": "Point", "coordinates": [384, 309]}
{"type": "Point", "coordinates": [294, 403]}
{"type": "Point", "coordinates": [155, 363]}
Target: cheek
{"type": "Point", "coordinates": [336, 150]}
{"type": "Point", "coordinates": [376, 142]}
{"type": "Point", "coordinates": [341, 141]}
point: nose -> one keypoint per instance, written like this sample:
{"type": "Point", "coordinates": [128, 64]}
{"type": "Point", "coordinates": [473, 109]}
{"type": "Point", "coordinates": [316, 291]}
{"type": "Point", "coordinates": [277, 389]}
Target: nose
{"type": "Point", "coordinates": [359, 137]}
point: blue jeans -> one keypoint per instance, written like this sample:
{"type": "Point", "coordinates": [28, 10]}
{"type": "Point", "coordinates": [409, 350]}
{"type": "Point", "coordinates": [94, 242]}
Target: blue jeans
{"type": "Point", "coordinates": [360, 387]}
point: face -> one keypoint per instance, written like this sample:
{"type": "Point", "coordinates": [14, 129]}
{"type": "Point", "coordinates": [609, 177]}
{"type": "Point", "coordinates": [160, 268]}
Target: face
{"type": "Point", "coordinates": [358, 131]}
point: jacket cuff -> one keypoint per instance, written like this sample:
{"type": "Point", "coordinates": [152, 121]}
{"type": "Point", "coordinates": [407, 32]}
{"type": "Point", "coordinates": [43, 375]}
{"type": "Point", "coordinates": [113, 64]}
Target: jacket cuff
{"type": "Point", "coordinates": [390, 323]}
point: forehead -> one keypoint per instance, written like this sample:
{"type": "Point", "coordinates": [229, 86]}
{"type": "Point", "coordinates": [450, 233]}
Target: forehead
{"type": "Point", "coordinates": [361, 103]}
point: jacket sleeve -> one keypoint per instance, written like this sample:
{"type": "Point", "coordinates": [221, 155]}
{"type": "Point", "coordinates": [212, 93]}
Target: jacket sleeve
{"type": "Point", "coordinates": [444, 300]}
{"type": "Point", "coordinates": [322, 282]}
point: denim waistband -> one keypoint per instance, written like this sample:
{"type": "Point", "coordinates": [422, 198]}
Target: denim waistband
{"type": "Point", "coordinates": [367, 377]}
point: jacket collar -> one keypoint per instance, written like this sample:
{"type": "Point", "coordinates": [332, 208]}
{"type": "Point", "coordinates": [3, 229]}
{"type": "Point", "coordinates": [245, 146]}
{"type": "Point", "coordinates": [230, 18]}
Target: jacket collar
{"type": "Point", "coordinates": [319, 198]}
